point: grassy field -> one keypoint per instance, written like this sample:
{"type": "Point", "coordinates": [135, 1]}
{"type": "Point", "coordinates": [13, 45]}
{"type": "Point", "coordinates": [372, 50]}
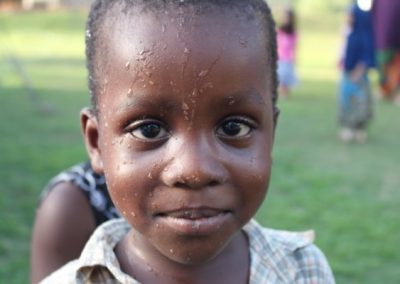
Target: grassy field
{"type": "Point", "coordinates": [349, 194]}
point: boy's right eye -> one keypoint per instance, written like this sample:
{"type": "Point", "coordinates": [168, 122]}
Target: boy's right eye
{"type": "Point", "coordinates": [148, 130]}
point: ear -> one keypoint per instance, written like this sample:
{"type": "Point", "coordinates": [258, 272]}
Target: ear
{"type": "Point", "coordinates": [90, 131]}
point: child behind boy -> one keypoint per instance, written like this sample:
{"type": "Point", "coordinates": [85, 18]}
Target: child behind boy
{"type": "Point", "coordinates": [72, 205]}
{"type": "Point", "coordinates": [287, 45]}
{"type": "Point", "coordinates": [182, 126]}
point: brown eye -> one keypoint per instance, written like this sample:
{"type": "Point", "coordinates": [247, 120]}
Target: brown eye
{"type": "Point", "coordinates": [149, 131]}
{"type": "Point", "coordinates": [234, 128]}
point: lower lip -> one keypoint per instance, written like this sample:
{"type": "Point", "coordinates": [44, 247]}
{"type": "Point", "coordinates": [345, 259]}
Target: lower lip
{"type": "Point", "coordinates": [201, 226]}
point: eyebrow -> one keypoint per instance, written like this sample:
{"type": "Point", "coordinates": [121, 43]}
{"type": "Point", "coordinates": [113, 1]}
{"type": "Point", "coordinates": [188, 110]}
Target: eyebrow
{"type": "Point", "coordinates": [143, 101]}
{"type": "Point", "coordinates": [250, 96]}
{"type": "Point", "coordinates": [244, 97]}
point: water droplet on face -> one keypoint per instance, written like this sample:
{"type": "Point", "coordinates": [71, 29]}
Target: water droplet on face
{"type": "Point", "coordinates": [243, 42]}
{"type": "Point", "coordinates": [150, 176]}
{"type": "Point", "coordinates": [208, 85]}
{"type": "Point", "coordinates": [127, 65]}
{"type": "Point", "coordinates": [155, 206]}
{"type": "Point", "coordinates": [186, 50]}
{"type": "Point", "coordinates": [171, 251]}
{"type": "Point", "coordinates": [196, 226]}
{"type": "Point", "coordinates": [185, 106]}
{"type": "Point", "coordinates": [203, 73]}
{"type": "Point", "coordinates": [231, 101]}
{"type": "Point", "coordinates": [143, 51]}
{"type": "Point", "coordinates": [163, 28]}
{"type": "Point", "coordinates": [151, 82]}
{"type": "Point", "coordinates": [133, 214]}
{"type": "Point", "coordinates": [194, 93]}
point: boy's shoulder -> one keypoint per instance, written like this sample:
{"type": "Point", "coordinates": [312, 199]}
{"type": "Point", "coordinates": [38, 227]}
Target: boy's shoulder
{"type": "Point", "coordinates": [286, 257]}
{"type": "Point", "coordinates": [287, 240]}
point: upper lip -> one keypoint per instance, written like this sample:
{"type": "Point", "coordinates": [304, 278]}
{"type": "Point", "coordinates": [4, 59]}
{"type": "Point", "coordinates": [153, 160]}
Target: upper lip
{"type": "Point", "coordinates": [193, 213]}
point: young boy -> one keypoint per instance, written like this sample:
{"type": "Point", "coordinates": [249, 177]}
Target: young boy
{"type": "Point", "coordinates": [182, 126]}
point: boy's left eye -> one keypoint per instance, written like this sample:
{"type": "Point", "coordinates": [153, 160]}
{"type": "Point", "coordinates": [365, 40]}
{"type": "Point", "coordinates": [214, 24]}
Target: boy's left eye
{"type": "Point", "coordinates": [235, 128]}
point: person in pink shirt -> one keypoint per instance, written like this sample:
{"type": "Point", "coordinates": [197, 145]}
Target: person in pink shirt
{"type": "Point", "coordinates": [287, 42]}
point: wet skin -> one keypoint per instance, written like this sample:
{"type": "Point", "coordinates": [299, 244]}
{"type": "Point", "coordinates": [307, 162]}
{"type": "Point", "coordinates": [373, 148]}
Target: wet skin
{"type": "Point", "coordinates": [184, 137]}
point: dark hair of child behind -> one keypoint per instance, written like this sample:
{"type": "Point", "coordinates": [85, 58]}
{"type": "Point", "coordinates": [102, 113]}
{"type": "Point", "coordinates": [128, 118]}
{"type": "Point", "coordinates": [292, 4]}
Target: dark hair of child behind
{"type": "Point", "coordinates": [249, 9]}
{"type": "Point", "coordinates": [289, 25]}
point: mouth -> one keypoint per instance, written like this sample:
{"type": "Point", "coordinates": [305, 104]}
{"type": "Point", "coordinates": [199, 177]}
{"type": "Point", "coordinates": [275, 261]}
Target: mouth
{"type": "Point", "coordinates": [194, 221]}
{"type": "Point", "coordinates": [193, 213]}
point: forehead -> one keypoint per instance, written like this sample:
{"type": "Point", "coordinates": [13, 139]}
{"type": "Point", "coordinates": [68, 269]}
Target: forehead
{"type": "Point", "coordinates": [142, 32]}
{"type": "Point", "coordinates": [184, 43]}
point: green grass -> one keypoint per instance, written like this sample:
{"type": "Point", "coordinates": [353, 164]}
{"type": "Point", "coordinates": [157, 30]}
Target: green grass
{"type": "Point", "coordinates": [349, 194]}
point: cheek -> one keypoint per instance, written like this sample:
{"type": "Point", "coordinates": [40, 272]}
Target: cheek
{"type": "Point", "coordinates": [254, 164]}
{"type": "Point", "coordinates": [252, 176]}
{"type": "Point", "coordinates": [130, 182]}
{"type": "Point", "coordinates": [255, 174]}
{"type": "Point", "coordinates": [256, 187]}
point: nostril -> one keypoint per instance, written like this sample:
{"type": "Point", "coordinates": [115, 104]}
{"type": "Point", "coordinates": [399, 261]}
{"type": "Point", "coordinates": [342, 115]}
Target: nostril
{"type": "Point", "coordinates": [213, 183]}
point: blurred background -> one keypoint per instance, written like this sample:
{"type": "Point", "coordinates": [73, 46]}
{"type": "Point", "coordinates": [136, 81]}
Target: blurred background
{"type": "Point", "coordinates": [349, 193]}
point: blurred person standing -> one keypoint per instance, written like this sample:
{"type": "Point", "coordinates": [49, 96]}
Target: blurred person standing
{"type": "Point", "coordinates": [386, 22]}
{"type": "Point", "coordinates": [355, 100]}
{"type": "Point", "coordinates": [287, 44]}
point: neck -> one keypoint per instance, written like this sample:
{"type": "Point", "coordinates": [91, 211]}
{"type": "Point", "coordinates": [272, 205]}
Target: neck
{"type": "Point", "coordinates": [231, 265]}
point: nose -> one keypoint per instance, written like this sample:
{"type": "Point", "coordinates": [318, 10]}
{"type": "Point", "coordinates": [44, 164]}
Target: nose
{"type": "Point", "coordinates": [194, 165]}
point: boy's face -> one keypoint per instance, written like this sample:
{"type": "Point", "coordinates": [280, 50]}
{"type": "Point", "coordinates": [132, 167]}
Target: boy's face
{"type": "Point", "coordinates": [185, 129]}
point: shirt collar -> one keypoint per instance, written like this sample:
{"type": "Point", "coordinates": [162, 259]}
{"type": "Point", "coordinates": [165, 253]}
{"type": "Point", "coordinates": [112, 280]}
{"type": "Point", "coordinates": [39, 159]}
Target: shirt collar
{"type": "Point", "coordinates": [273, 249]}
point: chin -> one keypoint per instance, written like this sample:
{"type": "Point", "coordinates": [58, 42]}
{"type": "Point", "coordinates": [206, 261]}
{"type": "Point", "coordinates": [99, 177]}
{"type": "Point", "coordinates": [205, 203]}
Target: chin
{"type": "Point", "coordinates": [195, 251]}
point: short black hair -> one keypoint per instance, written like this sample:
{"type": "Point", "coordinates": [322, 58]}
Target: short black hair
{"type": "Point", "coordinates": [249, 8]}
